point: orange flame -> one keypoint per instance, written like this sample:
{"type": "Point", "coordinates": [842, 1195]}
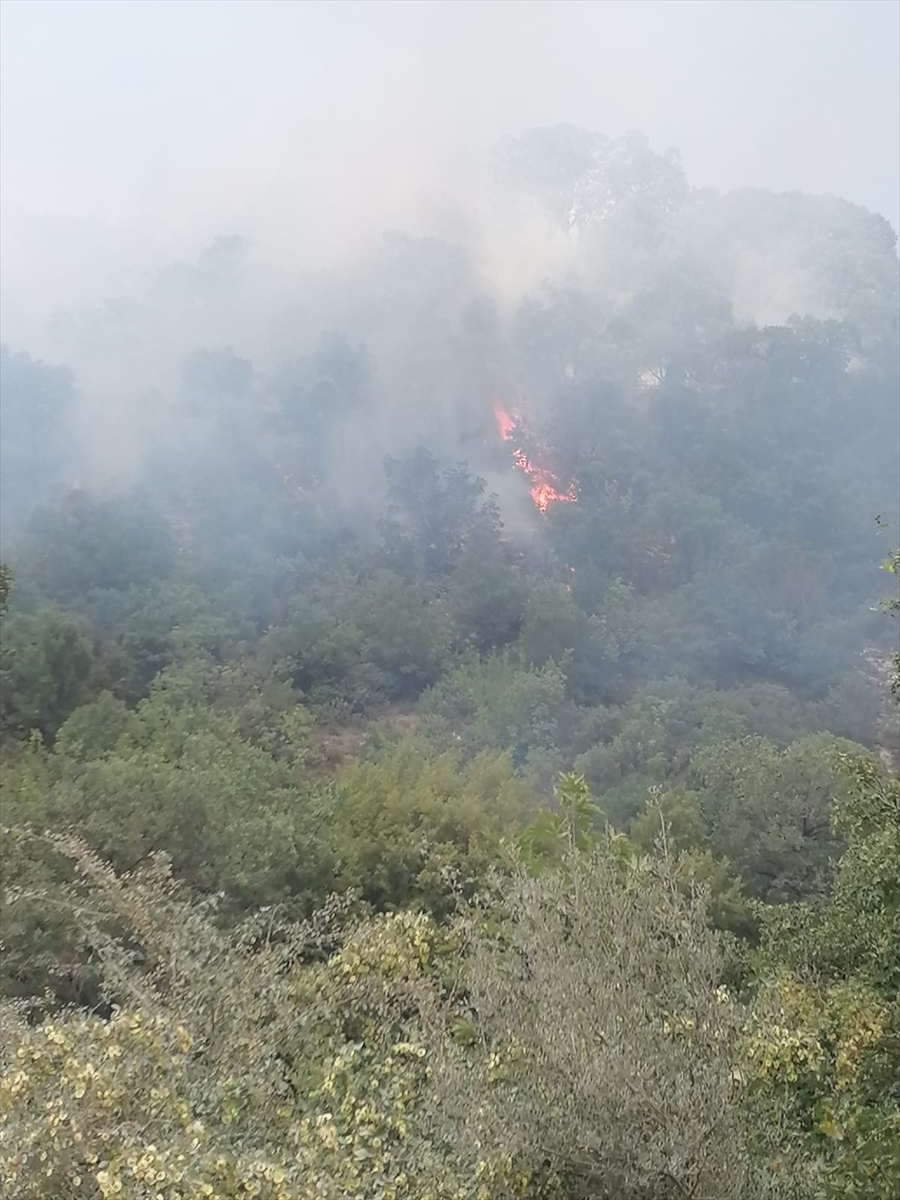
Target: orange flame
{"type": "Point", "coordinates": [505, 422]}
{"type": "Point", "coordinates": [543, 490]}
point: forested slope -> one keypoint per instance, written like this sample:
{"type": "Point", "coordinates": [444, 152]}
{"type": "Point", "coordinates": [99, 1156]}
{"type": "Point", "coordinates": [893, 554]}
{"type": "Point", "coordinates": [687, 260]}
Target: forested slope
{"type": "Point", "coordinates": [412, 692]}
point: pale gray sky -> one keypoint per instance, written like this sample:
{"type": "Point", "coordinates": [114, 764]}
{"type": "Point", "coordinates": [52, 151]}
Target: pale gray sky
{"type": "Point", "coordinates": [134, 124]}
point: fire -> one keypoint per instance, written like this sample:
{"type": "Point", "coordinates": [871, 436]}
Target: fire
{"type": "Point", "coordinates": [505, 422]}
{"type": "Point", "coordinates": [544, 484]}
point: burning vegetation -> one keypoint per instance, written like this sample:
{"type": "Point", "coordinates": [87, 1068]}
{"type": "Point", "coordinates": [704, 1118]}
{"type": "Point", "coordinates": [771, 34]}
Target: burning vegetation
{"type": "Point", "coordinates": [544, 485]}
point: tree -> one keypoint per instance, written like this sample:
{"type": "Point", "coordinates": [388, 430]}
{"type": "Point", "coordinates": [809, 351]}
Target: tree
{"type": "Point", "coordinates": [36, 402]}
{"type": "Point", "coordinates": [6, 580]}
{"type": "Point", "coordinates": [500, 705]}
{"type": "Point", "coordinates": [280, 1060]}
{"type": "Point", "coordinates": [189, 776]}
{"type": "Point", "coordinates": [612, 1043]}
{"type": "Point", "coordinates": [409, 831]}
{"type": "Point", "coordinates": [486, 595]}
{"type": "Point", "coordinates": [892, 605]}
{"type": "Point", "coordinates": [824, 1047]}
{"type": "Point", "coordinates": [84, 544]}
{"type": "Point", "coordinates": [218, 385]}
{"type": "Point", "coordinates": [45, 663]}
{"type": "Point", "coordinates": [581, 177]}
{"type": "Point", "coordinates": [434, 511]}
{"type": "Point", "coordinates": [768, 811]}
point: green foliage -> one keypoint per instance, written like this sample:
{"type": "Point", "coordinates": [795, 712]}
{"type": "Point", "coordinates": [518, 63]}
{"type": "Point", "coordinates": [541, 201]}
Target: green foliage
{"type": "Point", "coordinates": [306, 654]}
{"type": "Point", "coordinates": [769, 811]}
{"type": "Point", "coordinates": [673, 823]}
{"type": "Point", "coordinates": [570, 826]}
{"type": "Point", "coordinates": [892, 605]}
{"type": "Point", "coordinates": [825, 1043]}
{"type": "Point", "coordinates": [94, 730]}
{"type": "Point", "coordinates": [676, 816]}
{"type": "Point", "coordinates": [87, 544]}
{"type": "Point", "coordinates": [411, 831]}
{"type": "Point", "coordinates": [612, 1043]}
{"type": "Point", "coordinates": [6, 580]}
{"type": "Point", "coordinates": [435, 513]}
{"type": "Point", "coordinates": [576, 1017]}
{"type": "Point", "coordinates": [45, 662]}
{"type": "Point", "coordinates": [381, 638]}
{"type": "Point", "coordinates": [855, 935]}
{"type": "Point", "coordinates": [234, 1065]}
{"type": "Point", "coordinates": [653, 738]}
{"type": "Point", "coordinates": [502, 705]}
{"type": "Point", "coordinates": [36, 403]}
{"type": "Point", "coordinates": [552, 626]}
{"type": "Point", "coordinates": [822, 1067]}
{"type": "Point", "coordinates": [486, 598]}
{"type": "Point", "coordinates": [227, 802]}
{"type": "Point", "coordinates": [171, 624]}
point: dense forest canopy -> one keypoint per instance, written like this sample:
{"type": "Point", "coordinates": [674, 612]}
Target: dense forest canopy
{"type": "Point", "coordinates": [417, 686]}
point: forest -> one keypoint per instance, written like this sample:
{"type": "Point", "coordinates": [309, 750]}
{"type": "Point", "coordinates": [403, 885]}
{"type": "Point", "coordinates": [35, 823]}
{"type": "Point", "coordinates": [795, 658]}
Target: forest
{"type": "Point", "coordinates": [449, 728]}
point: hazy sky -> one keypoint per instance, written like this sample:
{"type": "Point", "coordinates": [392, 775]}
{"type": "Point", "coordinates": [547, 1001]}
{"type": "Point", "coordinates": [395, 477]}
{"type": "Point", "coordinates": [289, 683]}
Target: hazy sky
{"type": "Point", "coordinates": [129, 125]}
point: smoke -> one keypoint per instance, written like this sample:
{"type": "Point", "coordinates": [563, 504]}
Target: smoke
{"type": "Point", "coordinates": [184, 177]}
{"type": "Point", "coordinates": [134, 133]}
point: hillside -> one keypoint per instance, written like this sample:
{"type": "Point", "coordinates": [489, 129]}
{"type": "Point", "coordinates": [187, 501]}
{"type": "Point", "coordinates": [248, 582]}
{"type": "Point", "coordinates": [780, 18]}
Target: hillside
{"type": "Point", "coordinates": [416, 687]}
